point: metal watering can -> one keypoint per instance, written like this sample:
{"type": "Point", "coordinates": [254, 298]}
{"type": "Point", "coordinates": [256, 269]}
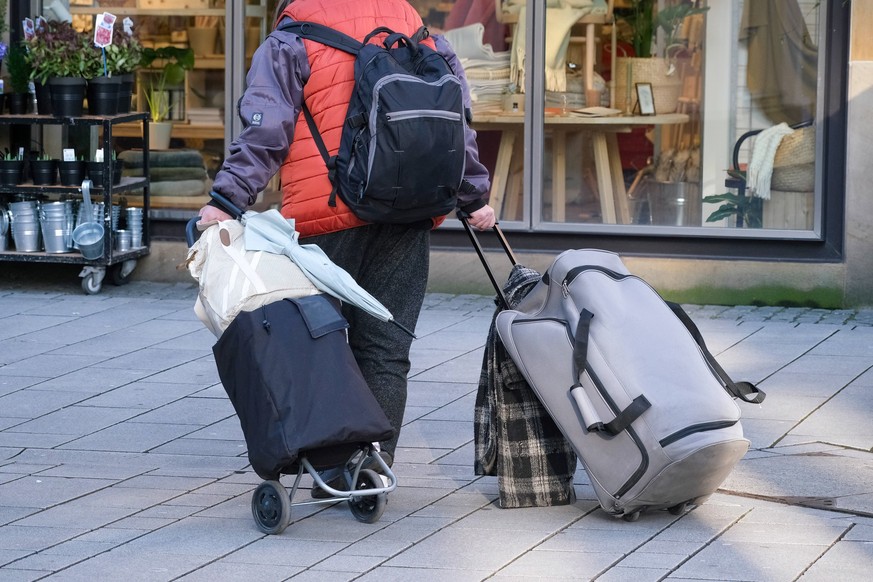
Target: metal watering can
{"type": "Point", "coordinates": [88, 236]}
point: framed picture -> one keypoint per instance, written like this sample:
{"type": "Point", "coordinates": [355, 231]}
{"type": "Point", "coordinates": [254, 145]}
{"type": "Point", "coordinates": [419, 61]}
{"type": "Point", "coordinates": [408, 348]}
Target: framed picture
{"type": "Point", "coordinates": [645, 99]}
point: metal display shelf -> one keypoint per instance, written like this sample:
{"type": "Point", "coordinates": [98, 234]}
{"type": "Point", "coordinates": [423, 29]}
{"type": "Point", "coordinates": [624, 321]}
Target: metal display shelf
{"type": "Point", "coordinates": [120, 264]}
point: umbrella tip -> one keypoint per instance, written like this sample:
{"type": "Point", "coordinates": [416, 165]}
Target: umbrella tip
{"type": "Point", "coordinates": [401, 326]}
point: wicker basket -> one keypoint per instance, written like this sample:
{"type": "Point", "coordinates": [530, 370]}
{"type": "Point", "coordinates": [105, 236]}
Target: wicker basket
{"type": "Point", "coordinates": [665, 88]}
{"type": "Point", "coordinates": [794, 162]}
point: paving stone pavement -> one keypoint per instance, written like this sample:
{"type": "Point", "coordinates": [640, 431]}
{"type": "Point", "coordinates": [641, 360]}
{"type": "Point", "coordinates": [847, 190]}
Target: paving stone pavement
{"type": "Point", "coordinates": [121, 459]}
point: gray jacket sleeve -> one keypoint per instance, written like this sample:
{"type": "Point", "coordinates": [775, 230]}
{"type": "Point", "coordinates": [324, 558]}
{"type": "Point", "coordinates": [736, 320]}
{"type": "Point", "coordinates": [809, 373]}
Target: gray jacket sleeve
{"type": "Point", "coordinates": [474, 197]}
{"type": "Point", "coordinates": [268, 110]}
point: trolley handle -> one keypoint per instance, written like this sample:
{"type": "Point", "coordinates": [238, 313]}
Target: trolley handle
{"type": "Point", "coordinates": [463, 217]}
{"type": "Point", "coordinates": [226, 205]}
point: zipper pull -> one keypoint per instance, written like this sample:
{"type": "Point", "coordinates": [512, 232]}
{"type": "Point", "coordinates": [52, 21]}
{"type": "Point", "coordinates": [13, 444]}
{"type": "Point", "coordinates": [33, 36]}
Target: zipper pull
{"type": "Point", "coordinates": [265, 323]}
{"type": "Point", "coordinates": [565, 289]}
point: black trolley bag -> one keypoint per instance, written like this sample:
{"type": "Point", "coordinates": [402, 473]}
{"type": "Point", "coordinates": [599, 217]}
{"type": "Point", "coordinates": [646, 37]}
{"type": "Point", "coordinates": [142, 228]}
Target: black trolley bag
{"type": "Point", "coordinates": [629, 381]}
{"type": "Point", "coordinates": [302, 404]}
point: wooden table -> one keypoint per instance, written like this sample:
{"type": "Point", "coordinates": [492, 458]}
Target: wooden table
{"type": "Point", "coordinates": [607, 160]}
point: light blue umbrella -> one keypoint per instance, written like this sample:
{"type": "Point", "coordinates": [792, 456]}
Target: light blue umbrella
{"type": "Point", "coordinates": [271, 232]}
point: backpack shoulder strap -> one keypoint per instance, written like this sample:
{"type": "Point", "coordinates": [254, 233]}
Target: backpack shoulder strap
{"type": "Point", "coordinates": [323, 34]}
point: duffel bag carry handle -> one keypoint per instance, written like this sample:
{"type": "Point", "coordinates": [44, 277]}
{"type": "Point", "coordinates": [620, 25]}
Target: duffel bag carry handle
{"type": "Point", "coordinates": [463, 217]}
{"type": "Point", "coordinates": [590, 418]}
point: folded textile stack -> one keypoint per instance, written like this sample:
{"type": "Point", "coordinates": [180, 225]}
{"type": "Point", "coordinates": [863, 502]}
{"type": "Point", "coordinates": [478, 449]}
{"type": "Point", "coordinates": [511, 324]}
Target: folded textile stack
{"type": "Point", "coordinates": [487, 71]}
{"type": "Point", "coordinates": [171, 172]}
{"type": "Point", "coordinates": [205, 116]}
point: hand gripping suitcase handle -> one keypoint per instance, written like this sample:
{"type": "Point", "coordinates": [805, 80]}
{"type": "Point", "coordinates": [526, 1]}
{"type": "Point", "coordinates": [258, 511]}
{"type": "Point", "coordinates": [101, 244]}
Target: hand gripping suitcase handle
{"type": "Point", "coordinates": [463, 216]}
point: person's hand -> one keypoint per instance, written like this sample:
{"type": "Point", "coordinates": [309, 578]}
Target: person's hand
{"type": "Point", "coordinates": [483, 219]}
{"type": "Point", "coordinates": [211, 215]}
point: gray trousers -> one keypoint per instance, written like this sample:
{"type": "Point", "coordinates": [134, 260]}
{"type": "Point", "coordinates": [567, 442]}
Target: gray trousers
{"type": "Point", "coordinates": [391, 262]}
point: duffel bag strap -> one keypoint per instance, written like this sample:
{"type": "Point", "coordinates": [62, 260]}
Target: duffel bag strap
{"type": "Point", "coordinates": [745, 391]}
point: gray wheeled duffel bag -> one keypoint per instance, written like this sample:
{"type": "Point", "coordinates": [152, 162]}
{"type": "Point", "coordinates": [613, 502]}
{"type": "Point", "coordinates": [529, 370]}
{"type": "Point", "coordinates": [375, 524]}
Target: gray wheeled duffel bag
{"type": "Point", "coordinates": [630, 383]}
{"type": "Point", "coordinates": [646, 407]}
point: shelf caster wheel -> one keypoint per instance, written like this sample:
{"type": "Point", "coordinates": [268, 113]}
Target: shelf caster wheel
{"type": "Point", "coordinates": [271, 507]}
{"type": "Point", "coordinates": [368, 508]}
{"type": "Point", "coordinates": [678, 509]}
{"type": "Point", "coordinates": [120, 273]}
{"type": "Point", "coordinates": [92, 279]}
{"type": "Point", "coordinates": [631, 516]}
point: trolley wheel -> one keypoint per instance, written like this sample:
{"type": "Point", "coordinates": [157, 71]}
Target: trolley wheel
{"type": "Point", "coordinates": [678, 509]}
{"type": "Point", "coordinates": [90, 284]}
{"type": "Point", "coordinates": [368, 508]}
{"type": "Point", "coordinates": [631, 516]}
{"type": "Point", "coordinates": [120, 273]}
{"type": "Point", "coordinates": [271, 507]}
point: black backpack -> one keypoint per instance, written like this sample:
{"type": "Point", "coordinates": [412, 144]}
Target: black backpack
{"type": "Point", "coordinates": [402, 149]}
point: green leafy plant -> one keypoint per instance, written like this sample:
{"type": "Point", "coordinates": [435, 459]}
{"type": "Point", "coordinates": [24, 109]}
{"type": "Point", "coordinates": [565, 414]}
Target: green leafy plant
{"type": "Point", "coordinates": [125, 53]}
{"type": "Point", "coordinates": [59, 50]}
{"type": "Point", "coordinates": [8, 156]}
{"type": "Point", "coordinates": [172, 62]}
{"type": "Point", "coordinates": [18, 67]}
{"type": "Point", "coordinates": [642, 21]}
{"type": "Point", "coordinates": [747, 210]}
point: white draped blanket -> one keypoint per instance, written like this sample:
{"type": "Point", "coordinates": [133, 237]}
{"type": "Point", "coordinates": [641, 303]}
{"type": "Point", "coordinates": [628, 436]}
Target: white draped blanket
{"type": "Point", "coordinates": [760, 169]}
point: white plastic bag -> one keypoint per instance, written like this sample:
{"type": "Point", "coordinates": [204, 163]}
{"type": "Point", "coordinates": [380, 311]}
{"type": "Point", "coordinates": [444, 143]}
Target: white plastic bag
{"type": "Point", "coordinates": [233, 280]}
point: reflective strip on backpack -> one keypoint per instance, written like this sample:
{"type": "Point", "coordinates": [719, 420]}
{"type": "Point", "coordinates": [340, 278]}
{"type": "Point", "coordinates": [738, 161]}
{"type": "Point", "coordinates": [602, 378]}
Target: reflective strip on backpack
{"type": "Point", "coordinates": [418, 113]}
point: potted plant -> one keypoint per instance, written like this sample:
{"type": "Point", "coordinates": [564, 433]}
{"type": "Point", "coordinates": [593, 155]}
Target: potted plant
{"type": "Point", "coordinates": [18, 100]}
{"type": "Point", "coordinates": [96, 170]}
{"type": "Point", "coordinates": [639, 25]}
{"type": "Point", "coordinates": [169, 64]}
{"type": "Point", "coordinates": [63, 58]}
{"type": "Point", "coordinates": [123, 58]}
{"type": "Point", "coordinates": [72, 172]}
{"type": "Point", "coordinates": [11, 166]}
{"type": "Point", "coordinates": [44, 170]}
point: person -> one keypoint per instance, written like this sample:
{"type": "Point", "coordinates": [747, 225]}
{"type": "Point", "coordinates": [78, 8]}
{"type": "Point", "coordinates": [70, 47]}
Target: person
{"type": "Point", "coordinates": [388, 260]}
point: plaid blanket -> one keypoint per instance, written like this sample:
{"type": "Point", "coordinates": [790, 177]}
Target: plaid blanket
{"type": "Point", "coordinates": [515, 438]}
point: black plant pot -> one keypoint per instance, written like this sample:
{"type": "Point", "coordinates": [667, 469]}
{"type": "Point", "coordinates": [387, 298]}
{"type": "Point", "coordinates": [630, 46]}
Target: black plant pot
{"type": "Point", "coordinates": [10, 172]}
{"type": "Point", "coordinates": [44, 172]}
{"type": "Point", "coordinates": [125, 92]}
{"type": "Point", "coordinates": [95, 172]}
{"type": "Point", "coordinates": [68, 96]}
{"type": "Point", "coordinates": [103, 95]}
{"type": "Point", "coordinates": [71, 172]}
{"type": "Point", "coordinates": [43, 99]}
{"type": "Point", "coordinates": [18, 103]}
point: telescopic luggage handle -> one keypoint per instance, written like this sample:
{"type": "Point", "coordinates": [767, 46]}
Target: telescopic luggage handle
{"type": "Point", "coordinates": [463, 216]}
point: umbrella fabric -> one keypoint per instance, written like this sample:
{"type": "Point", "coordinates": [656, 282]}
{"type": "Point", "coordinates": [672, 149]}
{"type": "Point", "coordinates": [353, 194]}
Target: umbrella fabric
{"type": "Point", "coordinates": [270, 231]}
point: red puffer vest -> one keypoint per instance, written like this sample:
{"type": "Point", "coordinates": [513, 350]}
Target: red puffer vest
{"type": "Point", "coordinates": [305, 187]}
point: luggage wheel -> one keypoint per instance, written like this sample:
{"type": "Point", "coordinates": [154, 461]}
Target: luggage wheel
{"type": "Point", "coordinates": [271, 507]}
{"type": "Point", "coordinates": [631, 516]}
{"type": "Point", "coordinates": [678, 509]}
{"type": "Point", "coordinates": [368, 508]}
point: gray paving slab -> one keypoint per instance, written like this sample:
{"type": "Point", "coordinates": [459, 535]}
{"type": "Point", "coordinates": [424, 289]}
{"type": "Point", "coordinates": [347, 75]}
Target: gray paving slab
{"type": "Point", "coordinates": [138, 455]}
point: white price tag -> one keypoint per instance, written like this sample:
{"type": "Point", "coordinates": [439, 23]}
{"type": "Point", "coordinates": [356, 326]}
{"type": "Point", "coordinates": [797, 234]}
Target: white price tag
{"type": "Point", "coordinates": [69, 155]}
{"type": "Point", "coordinates": [103, 29]}
{"type": "Point", "coordinates": [98, 155]}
